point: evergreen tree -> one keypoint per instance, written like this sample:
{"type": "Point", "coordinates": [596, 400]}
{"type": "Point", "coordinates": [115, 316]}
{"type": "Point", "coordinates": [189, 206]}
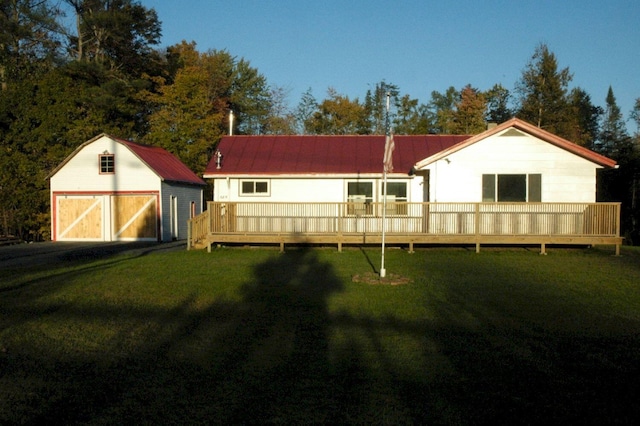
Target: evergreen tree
{"type": "Point", "coordinates": [585, 119]}
{"type": "Point", "coordinates": [304, 112]}
{"type": "Point", "coordinates": [614, 140]}
{"type": "Point", "coordinates": [375, 105]}
{"type": "Point", "coordinates": [498, 110]}
{"type": "Point", "coordinates": [543, 93]}
{"type": "Point", "coordinates": [469, 112]}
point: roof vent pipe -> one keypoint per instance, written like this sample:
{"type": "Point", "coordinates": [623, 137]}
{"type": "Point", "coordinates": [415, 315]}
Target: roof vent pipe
{"type": "Point", "coordinates": [230, 122]}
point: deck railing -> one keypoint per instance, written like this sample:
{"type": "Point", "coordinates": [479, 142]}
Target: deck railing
{"type": "Point", "coordinates": [583, 220]}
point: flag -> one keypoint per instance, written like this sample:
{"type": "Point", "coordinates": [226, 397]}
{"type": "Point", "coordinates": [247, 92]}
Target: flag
{"type": "Point", "coordinates": [389, 146]}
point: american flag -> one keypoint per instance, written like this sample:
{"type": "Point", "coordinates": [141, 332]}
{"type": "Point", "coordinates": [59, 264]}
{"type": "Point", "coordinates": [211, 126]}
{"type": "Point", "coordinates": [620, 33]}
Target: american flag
{"type": "Point", "coordinates": [389, 146]}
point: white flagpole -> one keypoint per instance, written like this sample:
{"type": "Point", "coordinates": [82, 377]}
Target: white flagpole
{"type": "Point", "coordinates": [383, 271]}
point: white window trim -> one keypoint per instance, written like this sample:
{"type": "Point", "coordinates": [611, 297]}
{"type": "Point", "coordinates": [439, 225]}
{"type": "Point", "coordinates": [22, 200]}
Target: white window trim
{"type": "Point", "coordinates": [254, 194]}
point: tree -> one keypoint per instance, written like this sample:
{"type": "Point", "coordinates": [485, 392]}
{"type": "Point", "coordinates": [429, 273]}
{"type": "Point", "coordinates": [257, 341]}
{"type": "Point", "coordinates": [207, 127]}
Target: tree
{"type": "Point", "coordinates": [28, 38]}
{"type": "Point", "coordinates": [441, 109]}
{"type": "Point", "coordinates": [304, 112]}
{"type": "Point", "coordinates": [116, 33]}
{"type": "Point", "coordinates": [614, 140]}
{"type": "Point", "coordinates": [621, 184]}
{"type": "Point", "coordinates": [190, 114]}
{"type": "Point", "coordinates": [585, 119]}
{"type": "Point", "coordinates": [281, 121]}
{"type": "Point", "coordinates": [375, 105]}
{"type": "Point", "coordinates": [635, 116]}
{"type": "Point", "coordinates": [411, 117]}
{"type": "Point", "coordinates": [543, 92]}
{"type": "Point", "coordinates": [468, 117]}
{"type": "Point", "coordinates": [338, 115]}
{"type": "Point", "coordinates": [498, 99]}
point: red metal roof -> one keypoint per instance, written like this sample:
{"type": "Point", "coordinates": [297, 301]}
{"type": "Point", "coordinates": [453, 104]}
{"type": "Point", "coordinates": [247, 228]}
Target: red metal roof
{"type": "Point", "coordinates": [167, 166]}
{"type": "Point", "coordinates": [309, 155]}
{"type": "Point", "coordinates": [289, 154]}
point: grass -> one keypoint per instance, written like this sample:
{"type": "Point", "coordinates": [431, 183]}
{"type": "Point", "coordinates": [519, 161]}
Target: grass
{"type": "Point", "coordinates": [255, 336]}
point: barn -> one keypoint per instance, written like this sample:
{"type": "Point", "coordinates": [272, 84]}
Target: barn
{"type": "Point", "coordinates": [111, 189]}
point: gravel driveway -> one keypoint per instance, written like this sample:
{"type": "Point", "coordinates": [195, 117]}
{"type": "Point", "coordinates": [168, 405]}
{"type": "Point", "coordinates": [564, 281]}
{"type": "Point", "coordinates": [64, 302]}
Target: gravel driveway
{"type": "Point", "coordinates": [24, 255]}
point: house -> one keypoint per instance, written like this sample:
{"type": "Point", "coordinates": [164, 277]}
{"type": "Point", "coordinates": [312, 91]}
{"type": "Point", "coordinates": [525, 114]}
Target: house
{"type": "Point", "coordinates": [514, 162]}
{"type": "Point", "coordinates": [112, 189]}
{"type": "Point", "coordinates": [512, 184]}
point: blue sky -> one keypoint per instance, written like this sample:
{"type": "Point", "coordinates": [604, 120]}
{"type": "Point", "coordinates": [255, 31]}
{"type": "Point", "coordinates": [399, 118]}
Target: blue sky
{"type": "Point", "coordinates": [420, 46]}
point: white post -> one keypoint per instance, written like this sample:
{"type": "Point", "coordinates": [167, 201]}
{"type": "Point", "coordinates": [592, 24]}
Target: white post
{"type": "Point", "coordinates": [383, 271]}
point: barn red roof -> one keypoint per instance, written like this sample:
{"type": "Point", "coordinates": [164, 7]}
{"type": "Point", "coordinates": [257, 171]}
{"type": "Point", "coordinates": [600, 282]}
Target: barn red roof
{"type": "Point", "coordinates": [167, 166]}
{"type": "Point", "coordinates": [287, 154]}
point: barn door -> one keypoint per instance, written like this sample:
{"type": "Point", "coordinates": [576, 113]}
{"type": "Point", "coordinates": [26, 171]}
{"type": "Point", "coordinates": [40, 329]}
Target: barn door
{"type": "Point", "coordinates": [79, 218]}
{"type": "Point", "coordinates": [134, 217]}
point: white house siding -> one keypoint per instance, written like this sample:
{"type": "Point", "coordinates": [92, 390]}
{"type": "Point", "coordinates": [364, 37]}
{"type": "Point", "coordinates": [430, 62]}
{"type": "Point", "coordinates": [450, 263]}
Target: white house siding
{"type": "Point", "coordinates": [566, 177]}
{"type": "Point", "coordinates": [307, 189]}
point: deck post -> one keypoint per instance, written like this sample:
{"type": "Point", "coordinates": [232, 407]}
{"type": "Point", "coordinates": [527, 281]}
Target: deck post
{"type": "Point", "coordinates": [477, 226]}
{"type": "Point", "coordinates": [189, 233]}
{"type": "Point", "coordinates": [543, 249]}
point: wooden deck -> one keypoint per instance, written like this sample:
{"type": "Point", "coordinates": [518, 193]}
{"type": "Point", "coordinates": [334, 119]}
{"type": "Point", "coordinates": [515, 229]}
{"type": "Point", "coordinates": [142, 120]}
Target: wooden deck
{"type": "Point", "coordinates": [407, 224]}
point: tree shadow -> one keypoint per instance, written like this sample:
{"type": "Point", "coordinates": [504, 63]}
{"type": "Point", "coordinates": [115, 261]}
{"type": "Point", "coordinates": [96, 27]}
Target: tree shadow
{"type": "Point", "coordinates": [276, 352]}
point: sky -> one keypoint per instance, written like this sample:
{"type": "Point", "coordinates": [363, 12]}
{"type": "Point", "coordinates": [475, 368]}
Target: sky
{"type": "Point", "coordinates": [420, 46]}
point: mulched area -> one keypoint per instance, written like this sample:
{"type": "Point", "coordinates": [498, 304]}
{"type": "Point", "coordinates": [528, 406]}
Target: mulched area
{"type": "Point", "coordinates": [374, 279]}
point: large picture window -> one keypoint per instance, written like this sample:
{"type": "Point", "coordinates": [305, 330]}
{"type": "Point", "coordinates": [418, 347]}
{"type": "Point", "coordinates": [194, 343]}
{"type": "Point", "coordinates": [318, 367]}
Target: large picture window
{"type": "Point", "coordinates": [107, 163]}
{"type": "Point", "coordinates": [512, 188]}
{"type": "Point", "coordinates": [254, 187]}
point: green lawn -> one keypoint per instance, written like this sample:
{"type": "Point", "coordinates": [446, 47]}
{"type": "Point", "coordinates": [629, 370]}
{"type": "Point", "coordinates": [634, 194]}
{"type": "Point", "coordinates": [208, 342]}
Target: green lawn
{"type": "Point", "coordinates": [254, 336]}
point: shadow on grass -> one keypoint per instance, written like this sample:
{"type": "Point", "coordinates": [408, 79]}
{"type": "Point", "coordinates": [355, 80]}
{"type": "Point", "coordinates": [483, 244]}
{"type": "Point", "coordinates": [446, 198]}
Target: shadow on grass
{"type": "Point", "coordinates": [277, 354]}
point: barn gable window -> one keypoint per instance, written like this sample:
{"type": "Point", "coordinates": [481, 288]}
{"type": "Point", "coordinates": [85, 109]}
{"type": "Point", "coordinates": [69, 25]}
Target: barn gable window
{"type": "Point", "coordinates": [512, 188]}
{"type": "Point", "coordinates": [107, 163]}
{"type": "Point", "coordinates": [254, 187]}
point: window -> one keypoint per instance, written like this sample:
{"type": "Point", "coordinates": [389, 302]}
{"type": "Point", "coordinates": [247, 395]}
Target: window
{"type": "Point", "coordinates": [396, 197]}
{"type": "Point", "coordinates": [359, 197]}
{"type": "Point", "coordinates": [512, 188]}
{"type": "Point", "coordinates": [254, 187]}
{"type": "Point", "coordinates": [107, 163]}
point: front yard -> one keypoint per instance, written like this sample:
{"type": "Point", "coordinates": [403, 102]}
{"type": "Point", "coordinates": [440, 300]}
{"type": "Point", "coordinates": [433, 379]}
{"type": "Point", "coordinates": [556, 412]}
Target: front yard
{"type": "Point", "coordinates": [250, 335]}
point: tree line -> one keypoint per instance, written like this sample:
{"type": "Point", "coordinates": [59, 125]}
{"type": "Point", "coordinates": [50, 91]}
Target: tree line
{"type": "Point", "coordinates": [72, 69]}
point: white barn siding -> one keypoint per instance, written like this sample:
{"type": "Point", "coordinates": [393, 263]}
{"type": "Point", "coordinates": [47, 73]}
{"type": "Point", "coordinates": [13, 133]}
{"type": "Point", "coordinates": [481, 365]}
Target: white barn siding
{"type": "Point", "coordinates": [81, 173]}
